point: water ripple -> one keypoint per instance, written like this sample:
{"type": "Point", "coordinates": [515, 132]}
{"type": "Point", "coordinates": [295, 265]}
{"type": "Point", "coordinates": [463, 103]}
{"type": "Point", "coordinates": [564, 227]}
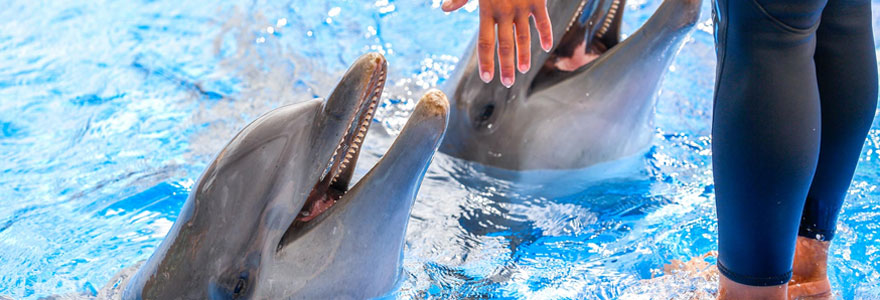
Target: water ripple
{"type": "Point", "coordinates": [109, 112]}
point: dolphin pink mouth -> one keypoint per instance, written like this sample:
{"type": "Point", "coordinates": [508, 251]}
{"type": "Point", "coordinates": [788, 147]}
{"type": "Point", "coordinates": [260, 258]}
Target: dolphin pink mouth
{"type": "Point", "coordinates": [573, 51]}
{"type": "Point", "coordinates": [333, 185]}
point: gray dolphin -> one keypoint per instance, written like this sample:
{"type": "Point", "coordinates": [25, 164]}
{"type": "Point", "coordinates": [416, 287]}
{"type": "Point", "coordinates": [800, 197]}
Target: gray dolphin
{"type": "Point", "coordinates": [273, 216]}
{"type": "Point", "coordinates": [552, 119]}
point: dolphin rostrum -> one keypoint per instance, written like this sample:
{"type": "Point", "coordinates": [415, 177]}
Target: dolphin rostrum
{"type": "Point", "coordinates": [273, 216]}
{"type": "Point", "coordinates": [554, 119]}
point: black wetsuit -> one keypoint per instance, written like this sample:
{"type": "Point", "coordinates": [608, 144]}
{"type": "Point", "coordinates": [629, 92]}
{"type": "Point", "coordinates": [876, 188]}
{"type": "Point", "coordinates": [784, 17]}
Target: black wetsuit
{"type": "Point", "coordinates": [795, 96]}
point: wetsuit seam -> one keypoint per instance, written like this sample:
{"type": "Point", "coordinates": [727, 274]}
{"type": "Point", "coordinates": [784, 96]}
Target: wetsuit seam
{"type": "Point", "coordinates": [779, 23]}
{"type": "Point", "coordinates": [754, 280]}
{"type": "Point", "coordinates": [723, 36]}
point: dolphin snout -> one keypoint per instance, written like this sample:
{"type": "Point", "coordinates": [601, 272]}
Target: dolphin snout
{"type": "Point", "coordinates": [429, 119]}
{"type": "Point", "coordinates": [363, 80]}
{"type": "Point", "coordinates": [435, 103]}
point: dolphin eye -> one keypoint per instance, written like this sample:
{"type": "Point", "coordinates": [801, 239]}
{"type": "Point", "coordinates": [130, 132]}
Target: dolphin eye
{"type": "Point", "coordinates": [233, 284]}
{"type": "Point", "coordinates": [487, 112]}
{"type": "Point", "coordinates": [240, 285]}
{"type": "Point", "coordinates": [485, 115]}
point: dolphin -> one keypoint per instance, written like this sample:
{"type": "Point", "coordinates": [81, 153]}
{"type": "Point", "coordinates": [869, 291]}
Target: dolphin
{"type": "Point", "coordinates": [552, 119]}
{"type": "Point", "coordinates": [273, 216]}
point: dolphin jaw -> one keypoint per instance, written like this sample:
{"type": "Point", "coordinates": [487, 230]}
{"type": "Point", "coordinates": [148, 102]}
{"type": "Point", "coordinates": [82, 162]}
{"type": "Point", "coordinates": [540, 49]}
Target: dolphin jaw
{"type": "Point", "coordinates": [335, 179]}
{"type": "Point", "coordinates": [564, 57]}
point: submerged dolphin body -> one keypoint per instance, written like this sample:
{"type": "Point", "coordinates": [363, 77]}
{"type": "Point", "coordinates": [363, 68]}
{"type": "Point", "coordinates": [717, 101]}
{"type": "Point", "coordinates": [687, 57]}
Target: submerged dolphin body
{"type": "Point", "coordinates": [553, 119]}
{"type": "Point", "coordinates": [273, 217]}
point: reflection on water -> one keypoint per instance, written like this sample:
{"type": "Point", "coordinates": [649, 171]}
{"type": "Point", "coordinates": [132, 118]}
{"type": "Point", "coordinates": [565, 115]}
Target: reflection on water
{"type": "Point", "coordinates": [110, 111]}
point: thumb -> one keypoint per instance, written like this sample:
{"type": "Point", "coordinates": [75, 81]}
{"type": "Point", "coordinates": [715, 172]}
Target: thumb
{"type": "Point", "coordinates": [450, 5]}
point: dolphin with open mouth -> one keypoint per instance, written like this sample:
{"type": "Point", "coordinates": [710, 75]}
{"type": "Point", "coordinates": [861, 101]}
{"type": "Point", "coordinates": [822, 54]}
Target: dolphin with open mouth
{"type": "Point", "coordinates": [273, 216]}
{"type": "Point", "coordinates": [557, 119]}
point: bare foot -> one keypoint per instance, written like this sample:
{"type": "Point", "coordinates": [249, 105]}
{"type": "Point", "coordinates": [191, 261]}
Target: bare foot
{"type": "Point", "coordinates": [809, 278]}
{"type": "Point", "coordinates": [696, 267]}
{"type": "Point", "coordinates": [728, 289]}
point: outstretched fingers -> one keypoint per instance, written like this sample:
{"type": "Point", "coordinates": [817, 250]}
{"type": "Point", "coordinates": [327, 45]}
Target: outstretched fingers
{"type": "Point", "coordinates": [506, 51]}
{"type": "Point", "coordinates": [542, 23]}
{"type": "Point", "coordinates": [511, 20]}
{"type": "Point", "coordinates": [523, 41]}
{"type": "Point", "coordinates": [486, 48]}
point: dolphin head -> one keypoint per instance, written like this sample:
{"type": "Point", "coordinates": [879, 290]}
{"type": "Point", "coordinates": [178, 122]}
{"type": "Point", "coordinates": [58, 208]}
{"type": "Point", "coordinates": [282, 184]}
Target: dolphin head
{"type": "Point", "coordinates": [353, 250]}
{"type": "Point", "coordinates": [280, 172]}
{"type": "Point", "coordinates": [584, 25]}
{"type": "Point", "coordinates": [590, 99]}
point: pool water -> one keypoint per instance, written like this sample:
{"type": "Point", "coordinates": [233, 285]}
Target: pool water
{"type": "Point", "coordinates": [110, 110]}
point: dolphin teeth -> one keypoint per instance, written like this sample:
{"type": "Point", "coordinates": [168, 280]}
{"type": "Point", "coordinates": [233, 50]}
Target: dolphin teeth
{"type": "Point", "coordinates": [612, 12]}
{"type": "Point", "coordinates": [579, 10]}
{"type": "Point", "coordinates": [355, 146]}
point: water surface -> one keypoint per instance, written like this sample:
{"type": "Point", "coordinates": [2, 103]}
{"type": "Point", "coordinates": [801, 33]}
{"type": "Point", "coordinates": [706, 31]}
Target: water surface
{"type": "Point", "coordinates": [110, 110]}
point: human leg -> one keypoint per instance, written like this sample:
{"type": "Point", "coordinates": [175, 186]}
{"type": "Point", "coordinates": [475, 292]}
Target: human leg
{"type": "Point", "coordinates": [766, 129]}
{"type": "Point", "coordinates": [846, 67]}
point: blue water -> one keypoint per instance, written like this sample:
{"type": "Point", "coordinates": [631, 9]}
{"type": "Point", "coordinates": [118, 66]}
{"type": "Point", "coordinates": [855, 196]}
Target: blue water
{"type": "Point", "coordinates": [110, 110]}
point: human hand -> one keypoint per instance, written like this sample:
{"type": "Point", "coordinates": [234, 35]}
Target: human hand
{"type": "Point", "coordinates": [509, 16]}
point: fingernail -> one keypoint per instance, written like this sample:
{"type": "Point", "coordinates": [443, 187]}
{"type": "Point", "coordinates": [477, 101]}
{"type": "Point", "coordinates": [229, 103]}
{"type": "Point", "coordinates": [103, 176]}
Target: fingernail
{"type": "Point", "coordinates": [486, 76]}
{"type": "Point", "coordinates": [546, 46]}
{"type": "Point", "coordinates": [523, 68]}
{"type": "Point", "coordinates": [507, 81]}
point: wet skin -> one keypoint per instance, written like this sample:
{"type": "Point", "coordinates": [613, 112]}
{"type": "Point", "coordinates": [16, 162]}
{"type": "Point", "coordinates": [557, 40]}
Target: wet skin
{"type": "Point", "coordinates": [555, 119]}
{"type": "Point", "coordinates": [273, 216]}
{"type": "Point", "coordinates": [509, 21]}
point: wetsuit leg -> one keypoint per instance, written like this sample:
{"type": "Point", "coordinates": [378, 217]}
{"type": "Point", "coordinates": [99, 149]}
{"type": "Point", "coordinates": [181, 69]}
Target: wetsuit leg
{"type": "Point", "coordinates": [765, 133]}
{"type": "Point", "coordinates": [846, 67]}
